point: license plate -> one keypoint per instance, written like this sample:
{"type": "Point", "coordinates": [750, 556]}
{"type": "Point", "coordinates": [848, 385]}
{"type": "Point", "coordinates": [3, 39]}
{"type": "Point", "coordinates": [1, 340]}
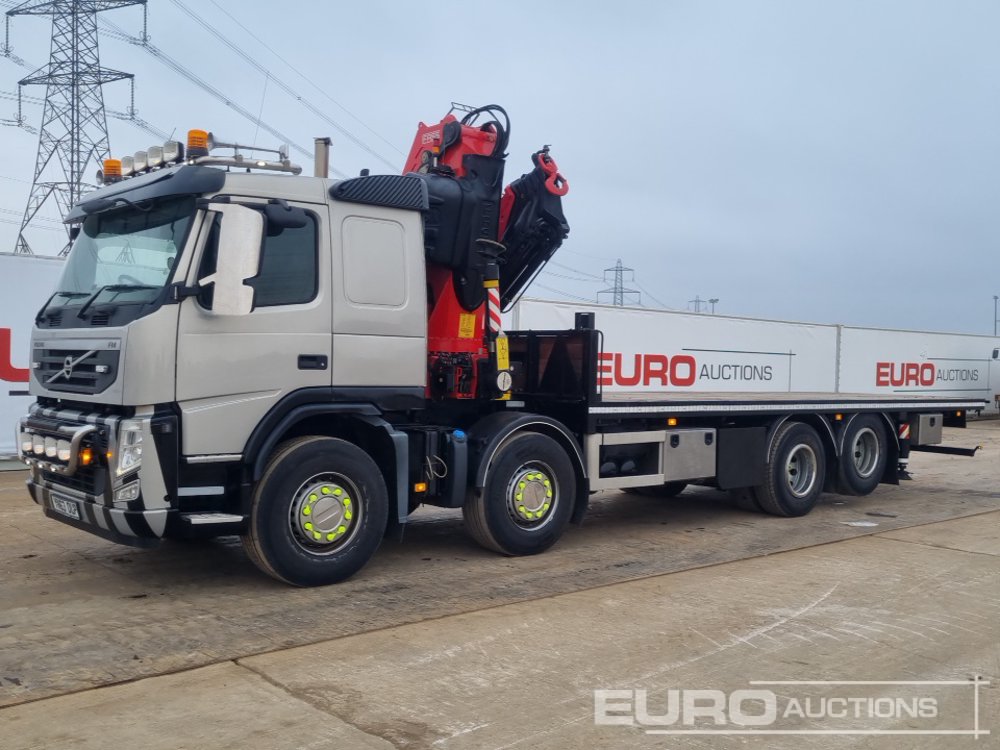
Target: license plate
{"type": "Point", "coordinates": [66, 507]}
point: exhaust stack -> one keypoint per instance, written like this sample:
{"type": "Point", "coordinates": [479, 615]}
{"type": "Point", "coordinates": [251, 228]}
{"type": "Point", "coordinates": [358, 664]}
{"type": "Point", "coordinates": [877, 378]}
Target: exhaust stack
{"type": "Point", "coordinates": [322, 168]}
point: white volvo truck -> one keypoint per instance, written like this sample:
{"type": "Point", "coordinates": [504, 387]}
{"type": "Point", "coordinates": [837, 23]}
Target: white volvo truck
{"type": "Point", "coordinates": [235, 349]}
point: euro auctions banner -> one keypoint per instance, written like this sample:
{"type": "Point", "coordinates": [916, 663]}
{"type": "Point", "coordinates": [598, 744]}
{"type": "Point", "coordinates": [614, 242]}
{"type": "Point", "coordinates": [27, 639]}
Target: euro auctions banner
{"type": "Point", "coordinates": [26, 281]}
{"type": "Point", "coordinates": [913, 362]}
{"type": "Point", "coordinates": [657, 350]}
{"type": "Point", "coordinates": [660, 350]}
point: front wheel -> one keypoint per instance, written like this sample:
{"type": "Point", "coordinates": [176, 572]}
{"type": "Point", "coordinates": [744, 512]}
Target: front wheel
{"type": "Point", "coordinates": [318, 512]}
{"type": "Point", "coordinates": [796, 471]}
{"type": "Point", "coordinates": [528, 497]}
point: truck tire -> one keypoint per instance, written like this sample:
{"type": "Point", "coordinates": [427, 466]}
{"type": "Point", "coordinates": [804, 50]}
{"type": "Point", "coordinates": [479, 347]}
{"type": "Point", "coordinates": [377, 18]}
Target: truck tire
{"type": "Point", "coordinates": [862, 461]}
{"type": "Point", "coordinates": [318, 512]}
{"type": "Point", "coordinates": [528, 497]}
{"type": "Point", "coordinates": [795, 472]}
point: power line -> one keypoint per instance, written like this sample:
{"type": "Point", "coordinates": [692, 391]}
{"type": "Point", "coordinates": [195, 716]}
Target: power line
{"type": "Point", "coordinates": [17, 223]}
{"type": "Point", "coordinates": [12, 212]}
{"type": "Point", "coordinates": [575, 270]}
{"type": "Point", "coordinates": [564, 294]}
{"type": "Point", "coordinates": [547, 272]}
{"type": "Point", "coordinates": [305, 78]}
{"type": "Point", "coordinates": [119, 33]}
{"type": "Point", "coordinates": [282, 85]}
{"type": "Point", "coordinates": [646, 292]}
{"type": "Point", "coordinates": [129, 117]}
{"type": "Point", "coordinates": [602, 258]}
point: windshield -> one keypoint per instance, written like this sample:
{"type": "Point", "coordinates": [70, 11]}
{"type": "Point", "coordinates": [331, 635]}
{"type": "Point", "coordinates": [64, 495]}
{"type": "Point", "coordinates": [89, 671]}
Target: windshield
{"type": "Point", "coordinates": [134, 246]}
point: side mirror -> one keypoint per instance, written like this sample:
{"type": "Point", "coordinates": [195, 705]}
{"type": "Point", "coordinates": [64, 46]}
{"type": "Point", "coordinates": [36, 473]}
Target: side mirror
{"type": "Point", "coordinates": [241, 234]}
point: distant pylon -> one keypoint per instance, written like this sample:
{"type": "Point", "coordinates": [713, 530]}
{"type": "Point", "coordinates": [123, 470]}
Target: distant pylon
{"type": "Point", "coordinates": [618, 291]}
{"type": "Point", "coordinates": [74, 128]}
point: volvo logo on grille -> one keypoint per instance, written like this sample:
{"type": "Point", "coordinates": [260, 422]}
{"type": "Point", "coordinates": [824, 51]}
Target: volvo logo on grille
{"type": "Point", "coordinates": [68, 364]}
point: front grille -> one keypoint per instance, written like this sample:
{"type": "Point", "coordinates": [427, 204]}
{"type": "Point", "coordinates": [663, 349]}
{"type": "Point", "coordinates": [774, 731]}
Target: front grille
{"type": "Point", "coordinates": [95, 433]}
{"type": "Point", "coordinates": [76, 370]}
{"type": "Point", "coordinates": [88, 479]}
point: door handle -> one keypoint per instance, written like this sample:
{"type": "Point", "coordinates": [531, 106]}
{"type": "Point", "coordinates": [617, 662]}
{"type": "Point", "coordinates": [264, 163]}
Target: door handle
{"type": "Point", "coordinates": [313, 361]}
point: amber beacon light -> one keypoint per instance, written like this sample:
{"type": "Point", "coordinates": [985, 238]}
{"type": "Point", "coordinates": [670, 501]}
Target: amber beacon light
{"type": "Point", "coordinates": [199, 143]}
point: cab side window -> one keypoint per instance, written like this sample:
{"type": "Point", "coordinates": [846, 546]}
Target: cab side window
{"type": "Point", "coordinates": [288, 269]}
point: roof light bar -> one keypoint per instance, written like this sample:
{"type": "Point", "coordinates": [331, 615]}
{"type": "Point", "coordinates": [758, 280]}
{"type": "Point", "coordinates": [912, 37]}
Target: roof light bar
{"type": "Point", "coordinates": [173, 151]}
{"type": "Point", "coordinates": [154, 156]}
{"type": "Point", "coordinates": [199, 146]}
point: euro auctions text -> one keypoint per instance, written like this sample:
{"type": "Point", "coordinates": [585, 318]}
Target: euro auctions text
{"type": "Point", "coordinates": [797, 707]}
{"type": "Point", "coordinates": [687, 371]}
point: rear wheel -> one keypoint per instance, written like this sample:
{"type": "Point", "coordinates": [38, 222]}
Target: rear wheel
{"type": "Point", "coordinates": [528, 498]}
{"type": "Point", "coordinates": [795, 473]}
{"type": "Point", "coordinates": [318, 512]}
{"type": "Point", "coordinates": [862, 462]}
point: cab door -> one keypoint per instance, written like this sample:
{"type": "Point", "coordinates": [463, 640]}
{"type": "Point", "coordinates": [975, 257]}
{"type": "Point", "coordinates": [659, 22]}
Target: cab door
{"type": "Point", "coordinates": [233, 369]}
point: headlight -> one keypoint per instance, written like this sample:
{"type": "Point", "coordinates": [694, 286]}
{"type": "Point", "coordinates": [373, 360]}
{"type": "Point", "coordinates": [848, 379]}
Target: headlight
{"type": "Point", "coordinates": [26, 442]}
{"type": "Point", "coordinates": [50, 447]}
{"type": "Point", "coordinates": [38, 445]}
{"type": "Point", "coordinates": [129, 446]}
{"type": "Point", "coordinates": [65, 450]}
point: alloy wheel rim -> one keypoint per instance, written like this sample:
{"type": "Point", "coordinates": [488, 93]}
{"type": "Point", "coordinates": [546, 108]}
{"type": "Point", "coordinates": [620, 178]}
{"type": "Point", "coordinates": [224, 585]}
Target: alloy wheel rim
{"type": "Point", "coordinates": [532, 495]}
{"type": "Point", "coordinates": [325, 513]}
{"type": "Point", "coordinates": [801, 470]}
{"type": "Point", "coordinates": [865, 452]}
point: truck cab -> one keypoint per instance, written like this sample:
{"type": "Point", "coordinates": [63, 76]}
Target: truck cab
{"type": "Point", "coordinates": [219, 319]}
{"type": "Point", "coordinates": [198, 301]}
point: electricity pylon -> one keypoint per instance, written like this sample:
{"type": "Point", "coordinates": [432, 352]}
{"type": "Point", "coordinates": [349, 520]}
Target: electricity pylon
{"type": "Point", "coordinates": [618, 291]}
{"type": "Point", "coordinates": [74, 129]}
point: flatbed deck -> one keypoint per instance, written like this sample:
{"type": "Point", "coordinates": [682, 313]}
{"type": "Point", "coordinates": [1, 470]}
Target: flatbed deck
{"type": "Point", "coordinates": [723, 402]}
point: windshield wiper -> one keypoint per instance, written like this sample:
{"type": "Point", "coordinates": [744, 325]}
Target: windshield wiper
{"type": "Point", "coordinates": [112, 288]}
{"type": "Point", "coordinates": [99, 205]}
{"type": "Point", "coordinates": [71, 295]}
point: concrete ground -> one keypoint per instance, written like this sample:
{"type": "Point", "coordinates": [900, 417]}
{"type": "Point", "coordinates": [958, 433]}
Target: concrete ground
{"type": "Point", "coordinates": [438, 644]}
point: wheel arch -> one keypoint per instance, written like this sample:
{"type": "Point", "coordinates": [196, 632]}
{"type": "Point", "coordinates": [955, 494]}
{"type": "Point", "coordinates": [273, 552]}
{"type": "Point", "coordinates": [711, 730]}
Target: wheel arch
{"type": "Point", "coordinates": [817, 422]}
{"type": "Point", "coordinates": [890, 474]}
{"type": "Point", "coordinates": [488, 434]}
{"type": "Point", "coordinates": [827, 437]}
{"type": "Point", "coordinates": [357, 423]}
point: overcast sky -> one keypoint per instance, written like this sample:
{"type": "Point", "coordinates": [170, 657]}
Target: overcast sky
{"type": "Point", "coordinates": [833, 161]}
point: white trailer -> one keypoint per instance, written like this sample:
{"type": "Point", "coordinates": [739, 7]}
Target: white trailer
{"type": "Point", "coordinates": [26, 281]}
{"type": "Point", "coordinates": [652, 351]}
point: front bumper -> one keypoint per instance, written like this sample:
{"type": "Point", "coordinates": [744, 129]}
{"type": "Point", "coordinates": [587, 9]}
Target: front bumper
{"type": "Point", "coordinates": [131, 527]}
{"type": "Point", "coordinates": [133, 509]}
